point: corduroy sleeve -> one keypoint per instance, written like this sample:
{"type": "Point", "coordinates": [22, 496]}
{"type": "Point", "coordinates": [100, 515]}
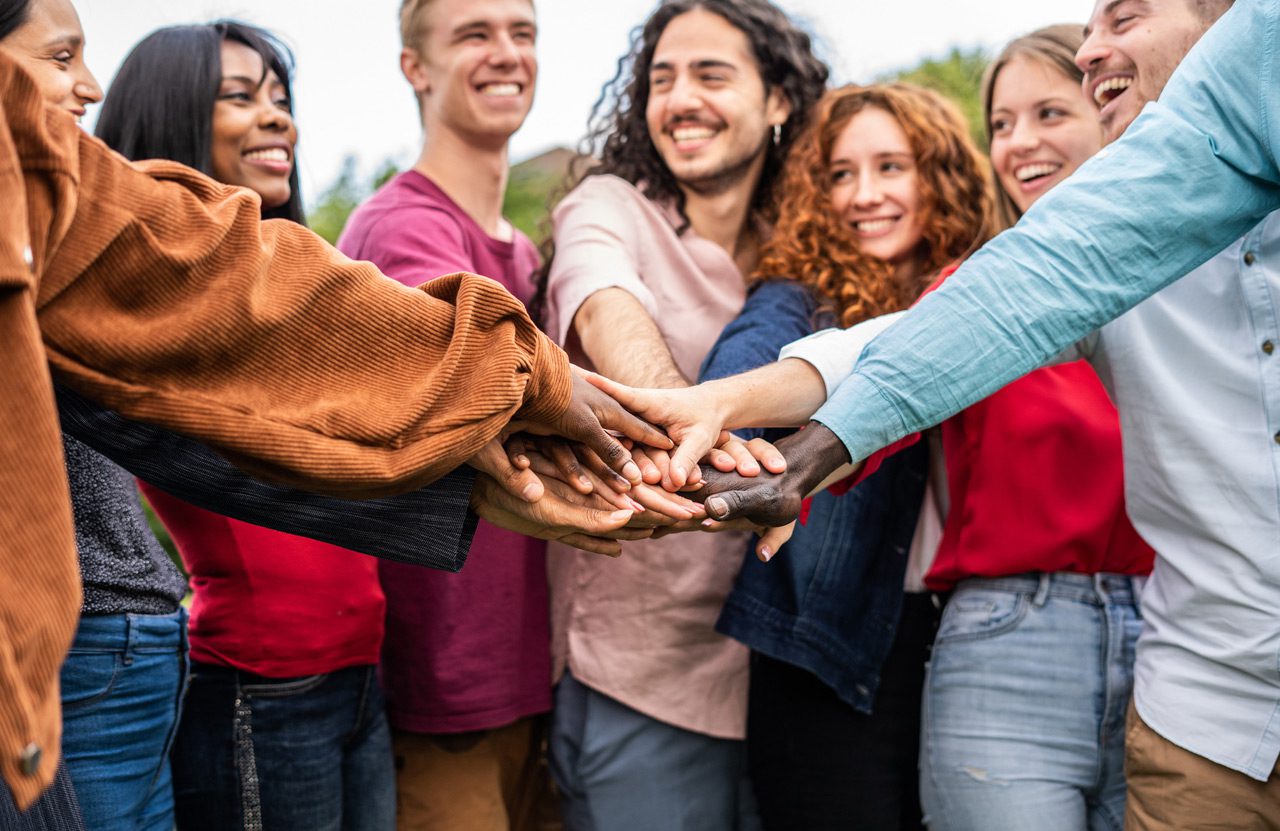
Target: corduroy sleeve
{"type": "Point", "coordinates": [168, 300]}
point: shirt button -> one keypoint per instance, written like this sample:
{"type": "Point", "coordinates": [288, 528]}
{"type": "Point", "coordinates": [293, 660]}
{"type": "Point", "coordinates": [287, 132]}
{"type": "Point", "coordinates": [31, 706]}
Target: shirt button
{"type": "Point", "coordinates": [1250, 258]}
{"type": "Point", "coordinates": [29, 759]}
{"type": "Point", "coordinates": [1268, 347]}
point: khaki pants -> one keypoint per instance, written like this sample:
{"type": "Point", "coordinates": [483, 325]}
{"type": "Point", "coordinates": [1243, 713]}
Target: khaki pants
{"type": "Point", "coordinates": [1172, 788]}
{"type": "Point", "coordinates": [487, 780]}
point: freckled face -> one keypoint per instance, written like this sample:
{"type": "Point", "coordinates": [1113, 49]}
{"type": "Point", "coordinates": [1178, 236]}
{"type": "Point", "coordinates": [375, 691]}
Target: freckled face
{"type": "Point", "coordinates": [253, 132]}
{"type": "Point", "coordinates": [874, 186]}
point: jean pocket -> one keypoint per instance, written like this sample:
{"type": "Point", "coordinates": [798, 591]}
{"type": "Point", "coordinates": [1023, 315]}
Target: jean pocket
{"type": "Point", "coordinates": [88, 677]}
{"type": "Point", "coordinates": [284, 687]}
{"type": "Point", "coordinates": [981, 613]}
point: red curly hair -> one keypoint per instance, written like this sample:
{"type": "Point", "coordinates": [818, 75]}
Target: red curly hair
{"type": "Point", "coordinates": [813, 246]}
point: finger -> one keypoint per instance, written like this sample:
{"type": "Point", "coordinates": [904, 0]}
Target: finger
{"type": "Point", "coordinates": [772, 540]}
{"type": "Point", "coordinates": [650, 473]}
{"type": "Point", "coordinates": [732, 504]}
{"type": "Point", "coordinates": [602, 471]}
{"type": "Point", "coordinates": [516, 447]}
{"type": "Point", "coordinates": [567, 463]}
{"type": "Point", "coordinates": [593, 545]}
{"type": "Point", "coordinates": [767, 455]}
{"type": "Point", "coordinates": [721, 460]}
{"type": "Point", "coordinates": [611, 451]}
{"type": "Point", "coordinates": [744, 462]}
{"type": "Point", "coordinates": [685, 458]}
{"type": "Point", "coordinates": [667, 504]}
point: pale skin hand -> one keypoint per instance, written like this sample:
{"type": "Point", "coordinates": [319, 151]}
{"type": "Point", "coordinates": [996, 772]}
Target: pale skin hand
{"type": "Point", "coordinates": [583, 521]}
{"type": "Point", "coordinates": [782, 394]}
{"type": "Point", "coordinates": [624, 343]}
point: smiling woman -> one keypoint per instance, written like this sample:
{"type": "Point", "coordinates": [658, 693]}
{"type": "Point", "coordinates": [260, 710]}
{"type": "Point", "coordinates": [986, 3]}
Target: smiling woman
{"type": "Point", "coordinates": [215, 98]}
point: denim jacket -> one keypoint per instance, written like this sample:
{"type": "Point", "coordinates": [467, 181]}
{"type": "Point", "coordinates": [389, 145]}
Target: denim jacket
{"type": "Point", "coordinates": [830, 601]}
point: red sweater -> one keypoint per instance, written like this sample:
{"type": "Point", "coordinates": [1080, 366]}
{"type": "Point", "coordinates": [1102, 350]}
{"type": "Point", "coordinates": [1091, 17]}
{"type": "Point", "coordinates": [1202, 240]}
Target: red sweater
{"type": "Point", "coordinates": [272, 603]}
{"type": "Point", "coordinates": [1036, 482]}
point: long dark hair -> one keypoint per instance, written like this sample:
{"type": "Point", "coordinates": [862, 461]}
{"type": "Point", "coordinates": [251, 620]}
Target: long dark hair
{"type": "Point", "coordinates": [160, 105]}
{"type": "Point", "coordinates": [618, 134]}
{"type": "Point", "coordinates": [13, 13]}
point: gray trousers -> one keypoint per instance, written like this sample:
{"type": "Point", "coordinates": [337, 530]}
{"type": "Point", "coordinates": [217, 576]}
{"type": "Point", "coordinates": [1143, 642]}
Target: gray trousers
{"type": "Point", "coordinates": [619, 770]}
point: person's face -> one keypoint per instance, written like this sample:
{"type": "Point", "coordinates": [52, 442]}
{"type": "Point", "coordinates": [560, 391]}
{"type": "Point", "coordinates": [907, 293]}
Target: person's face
{"type": "Point", "coordinates": [50, 47]}
{"type": "Point", "coordinates": [476, 69]}
{"type": "Point", "coordinates": [875, 187]}
{"type": "Point", "coordinates": [1042, 128]}
{"type": "Point", "coordinates": [253, 132]}
{"type": "Point", "coordinates": [708, 113]}
{"type": "Point", "coordinates": [1131, 48]}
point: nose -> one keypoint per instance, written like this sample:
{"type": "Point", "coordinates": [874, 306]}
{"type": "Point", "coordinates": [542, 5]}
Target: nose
{"type": "Point", "coordinates": [868, 193]}
{"type": "Point", "coordinates": [1024, 137]}
{"type": "Point", "coordinates": [273, 117]}
{"type": "Point", "coordinates": [86, 87]}
{"type": "Point", "coordinates": [505, 53]}
{"type": "Point", "coordinates": [1092, 52]}
{"type": "Point", "coordinates": [683, 96]}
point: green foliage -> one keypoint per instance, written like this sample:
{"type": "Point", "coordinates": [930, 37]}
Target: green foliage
{"type": "Point", "coordinates": [329, 214]}
{"type": "Point", "coordinates": [527, 200]}
{"type": "Point", "coordinates": [162, 535]}
{"type": "Point", "coordinates": [958, 76]}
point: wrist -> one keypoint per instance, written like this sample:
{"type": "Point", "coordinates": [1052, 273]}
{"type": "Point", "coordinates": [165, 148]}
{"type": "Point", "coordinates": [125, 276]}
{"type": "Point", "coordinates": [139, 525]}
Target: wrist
{"type": "Point", "coordinates": [812, 454]}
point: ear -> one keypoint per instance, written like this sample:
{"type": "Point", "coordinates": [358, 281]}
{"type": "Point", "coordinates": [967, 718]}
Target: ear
{"type": "Point", "coordinates": [777, 107]}
{"type": "Point", "coordinates": [415, 71]}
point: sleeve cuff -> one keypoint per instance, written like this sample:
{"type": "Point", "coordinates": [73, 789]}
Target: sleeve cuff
{"type": "Point", "coordinates": [835, 352]}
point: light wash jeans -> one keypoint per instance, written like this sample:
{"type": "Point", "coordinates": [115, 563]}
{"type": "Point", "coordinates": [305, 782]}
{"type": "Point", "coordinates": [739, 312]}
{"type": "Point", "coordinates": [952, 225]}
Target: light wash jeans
{"type": "Point", "coordinates": [122, 685]}
{"type": "Point", "coordinates": [1024, 707]}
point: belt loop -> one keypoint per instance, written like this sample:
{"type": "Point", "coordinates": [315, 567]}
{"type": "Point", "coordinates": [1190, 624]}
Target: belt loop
{"type": "Point", "coordinates": [1100, 588]}
{"type": "Point", "coordinates": [130, 632]}
{"type": "Point", "coordinates": [1042, 592]}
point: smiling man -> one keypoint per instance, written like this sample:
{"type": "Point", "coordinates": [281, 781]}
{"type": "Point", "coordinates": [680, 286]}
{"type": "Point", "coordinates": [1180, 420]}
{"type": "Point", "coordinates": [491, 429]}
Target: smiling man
{"type": "Point", "coordinates": [465, 662]}
{"type": "Point", "coordinates": [652, 250]}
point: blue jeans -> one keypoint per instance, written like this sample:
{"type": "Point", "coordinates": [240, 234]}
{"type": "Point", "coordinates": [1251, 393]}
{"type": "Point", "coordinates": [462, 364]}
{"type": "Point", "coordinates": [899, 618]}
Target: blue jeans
{"type": "Point", "coordinates": [122, 688]}
{"type": "Point", "coordinates": [619, 770]}
{"type": "Point", "coordinates": [310, 753]}
{"type": "Point", "coordinates": [1025, 701]}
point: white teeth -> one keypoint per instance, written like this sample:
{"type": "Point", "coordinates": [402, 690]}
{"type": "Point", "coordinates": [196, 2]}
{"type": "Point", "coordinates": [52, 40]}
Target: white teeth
{"type": "Point", "coordinates": [1118, 82]}
{"type": "Point", "coordinates": [872, 226]}
{"type": "Point", "coordinates": [274, 154]}
{"type": "Point", "coordinates": [500, 89]}
{"type": "Point", "coordinates": [692, 133]}
{"type": "Point", "coordinates": [1032, 171]}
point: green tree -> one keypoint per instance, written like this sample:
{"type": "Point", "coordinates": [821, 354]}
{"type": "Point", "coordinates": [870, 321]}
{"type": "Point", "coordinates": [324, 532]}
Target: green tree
{"type": "Point", "coordinates": [957, 75]}
{"type": "Point", "coordinates": [329, 214]}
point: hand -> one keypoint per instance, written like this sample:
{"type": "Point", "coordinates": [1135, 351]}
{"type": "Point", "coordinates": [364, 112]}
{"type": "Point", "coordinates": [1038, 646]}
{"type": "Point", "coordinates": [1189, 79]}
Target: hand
{"type": "Point", "coordinates": [576, 464]}
{"type": "Point", "coordinates": [746, 457]}
{"type": "Point", "coordinates": [591, 412]}
{"type": "Point", "coordinates": [772, 500]}
{"type": "Point", "coordinates": [690, 415]}
{"type": "Point", "coordinates": [520, 482]}
{"type": "Point", "coordinates": [562, 514]}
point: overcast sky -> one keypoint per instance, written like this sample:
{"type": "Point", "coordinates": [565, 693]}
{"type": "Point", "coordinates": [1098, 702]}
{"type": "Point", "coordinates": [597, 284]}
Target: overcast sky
{"type": "Point", "coordinates": [350, 97]}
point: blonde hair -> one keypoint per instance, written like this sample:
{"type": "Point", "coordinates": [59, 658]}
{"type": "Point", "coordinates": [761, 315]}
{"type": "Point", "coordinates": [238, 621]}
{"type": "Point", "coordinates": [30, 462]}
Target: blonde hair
{"type": "Point", "coordinates": [413, 24]}
{"type": "Point", "coordinates": [1055, 48]}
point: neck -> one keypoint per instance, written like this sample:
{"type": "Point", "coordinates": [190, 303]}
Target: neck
{"type": "Point", "coordinates": [472, 174]}
{"type": "Point", "coordinates": [721, 215]}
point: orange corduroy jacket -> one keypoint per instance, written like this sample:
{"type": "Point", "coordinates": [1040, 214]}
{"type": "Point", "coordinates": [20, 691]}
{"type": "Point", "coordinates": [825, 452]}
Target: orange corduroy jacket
{"type": "Point", "coordinates": [161, 294]}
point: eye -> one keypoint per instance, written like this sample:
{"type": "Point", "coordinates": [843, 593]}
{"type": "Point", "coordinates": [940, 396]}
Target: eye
{"type": "Point", "coordinates": [63, 58]}
{"type": "Point", "coordinates": [284, 103]}
{"type": "Point", "coordinates": [1052, 114]}
{"type": "Point", "coordinates": [840, 176]}
{"type": "Point", "coordinates": [524, 37]}
{"type": "Point", "coordinates": [1000, 125]}
{"type": "Point", "coordinates": [660, 81]}
{"type": "Point", "coordinates": [237, 96]}
{"type": "Point", "coordinates": [892, 167]}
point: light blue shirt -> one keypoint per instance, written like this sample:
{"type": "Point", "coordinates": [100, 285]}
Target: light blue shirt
{"type": "Point", "coordinates": [1195, 369]}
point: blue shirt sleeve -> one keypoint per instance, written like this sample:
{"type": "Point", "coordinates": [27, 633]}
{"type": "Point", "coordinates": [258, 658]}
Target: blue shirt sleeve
{"type": "Point", "coordinates": [776, 313]}
{"type": "Point", "coordinates": [1194, 172]}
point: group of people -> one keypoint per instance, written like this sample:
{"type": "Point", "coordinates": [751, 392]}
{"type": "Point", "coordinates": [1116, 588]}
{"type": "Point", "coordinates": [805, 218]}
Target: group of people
{"type": "Point", "coordinates": [946, 639]}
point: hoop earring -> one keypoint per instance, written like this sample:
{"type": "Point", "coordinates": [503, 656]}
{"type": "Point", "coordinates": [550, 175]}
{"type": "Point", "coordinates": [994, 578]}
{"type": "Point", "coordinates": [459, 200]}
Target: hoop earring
{"type": "Point", "coordinates": [777, 134]}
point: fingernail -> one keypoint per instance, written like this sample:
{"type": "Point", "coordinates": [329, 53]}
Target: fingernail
{"type": "Point", "coordinates": [708, 523]}
{"type": "Point", "coordinates": [584, 481]}
{"type": "Point", "coordinates": [636, 506]}
{"type": "Point", "coordinates": [631, 472]}
{"type": "Point", "coordinates": [751, 467]}
{"type": "Point", "coordinates": [522, 460]}
{"type": "Point", "coordinates": [777, 461]}
{"type": "Point", "coordinates": [765, 554]}
{"type": "Point", "coordinates": [619, 516]}
{"type": "Point", "coordinates": [716, 505]}
{"type": "Point", "coordinates": [530, 492]}
{"type": "Point", "coordinates": [680, 473]}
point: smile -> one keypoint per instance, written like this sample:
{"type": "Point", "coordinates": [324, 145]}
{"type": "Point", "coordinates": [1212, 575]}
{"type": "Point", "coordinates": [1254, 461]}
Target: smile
{"type": "Point", "coordinates": [875, 227]}
{"type": "Point", "coordinates": [1109, 89]}
{"type": "Point", "coordinates": [268, 154]}
{"type": "Point", "coordinates": [501, 90]}
{"type": "Point", "coordinates": [1035, 170]}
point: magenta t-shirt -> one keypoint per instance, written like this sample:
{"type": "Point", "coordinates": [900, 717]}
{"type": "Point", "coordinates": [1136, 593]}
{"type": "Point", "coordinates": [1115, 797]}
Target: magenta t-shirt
{"type": "Point", "coordinates": [471, 650]}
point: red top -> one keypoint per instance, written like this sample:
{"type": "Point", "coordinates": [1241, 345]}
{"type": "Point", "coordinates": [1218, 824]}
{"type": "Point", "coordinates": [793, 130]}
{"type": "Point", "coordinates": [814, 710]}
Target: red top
{"type": "Point", "coordinates": [466, 651]}
{"type": "Point", "coordinates": [269, 602]}
{"type": "Point", "coordinates": [1036, 482]}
